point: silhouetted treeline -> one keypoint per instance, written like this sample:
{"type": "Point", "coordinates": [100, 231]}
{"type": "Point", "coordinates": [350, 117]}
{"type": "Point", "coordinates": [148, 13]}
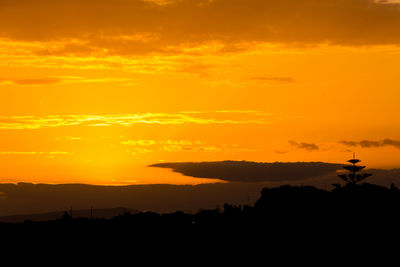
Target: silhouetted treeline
{"type": "Point", "coordinates": [350, 207]}
{"type": "Point", "coordinates": [284, 220]}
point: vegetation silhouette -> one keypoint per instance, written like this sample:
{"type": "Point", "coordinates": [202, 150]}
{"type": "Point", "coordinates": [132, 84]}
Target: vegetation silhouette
{"type": "Point", "coordinates": [303, 212]}
{"type": "Point", "coordinates": [295, 204]}
{"type": "Point", "coordinates": [353, 177]}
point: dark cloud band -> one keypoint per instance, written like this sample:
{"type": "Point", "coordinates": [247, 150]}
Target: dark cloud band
{"type": "Point", "coordinates": [373, 144]}
{"type": "Point", "coordinates": [244, 171]}
{"type": "Point", "coordinates": [136, 26]}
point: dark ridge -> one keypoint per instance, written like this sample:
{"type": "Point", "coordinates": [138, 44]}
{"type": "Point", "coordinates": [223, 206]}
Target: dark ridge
{"type": "Point", "coordinates": [49, 216]}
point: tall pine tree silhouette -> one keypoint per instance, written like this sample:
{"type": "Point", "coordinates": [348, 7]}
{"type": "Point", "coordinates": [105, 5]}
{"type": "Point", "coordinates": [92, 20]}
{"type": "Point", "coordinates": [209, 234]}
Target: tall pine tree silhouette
{"type": "Point", "coordinates": [353, 177]}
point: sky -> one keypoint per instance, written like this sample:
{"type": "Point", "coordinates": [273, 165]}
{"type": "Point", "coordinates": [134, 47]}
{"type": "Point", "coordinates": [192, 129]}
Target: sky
{"type": "Point", "coordinates": [95, 91]}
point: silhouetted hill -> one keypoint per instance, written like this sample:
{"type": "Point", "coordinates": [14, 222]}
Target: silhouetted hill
{"type": "Point", "coordinates": [49, 216]}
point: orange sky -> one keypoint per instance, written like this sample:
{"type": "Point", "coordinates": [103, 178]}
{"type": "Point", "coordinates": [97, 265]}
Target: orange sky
{"type": "Point", "coordinates": [93, 92]}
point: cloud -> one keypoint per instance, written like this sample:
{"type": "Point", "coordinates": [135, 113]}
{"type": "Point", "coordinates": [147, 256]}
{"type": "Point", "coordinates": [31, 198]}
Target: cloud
{"type": "Point", "coordinates": [69, 138]}
{"type": "Point", "coordinates": [306, 146]}
{"type": "Point", "coordinates": [182, 146]}
{"type": "Point", "coordinates": [139, 27]}
{"type": "Point", "coordinates": [387, 1]}
{"type": "Point", "coordinates": [125, 120]}
{"type": "Point", "coordinates": [28, 153]}
{"type": "Point", "coordinates": [244, 171]}
{"type": "Point", "coordinates": [274, 79]}
{"type": "Point", "coordinates": [139, 150]}
{"type": "Point", "coordinates": [58, 79]}
{"type": "Point", "coordinates": [37, 81]}
{"type": "Point", "coordinates": [139, 142]}
{"type": "Point", "coordinates": [372, 144]}
{"type": "Point", "coordinates": [199, 69]}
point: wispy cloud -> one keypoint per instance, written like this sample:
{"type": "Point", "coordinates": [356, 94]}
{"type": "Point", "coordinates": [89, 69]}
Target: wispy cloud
{"type": "Point", "coordinates": [273, 79]}
{"type": "Point", "coordinates": [69, 138]}
{"type": "Point", "coordinates": [58, 79]}
{"type": "Point", "coordinates": [180, 146]}
{"type": "Point", "coordinates": [139, 142]}
{"type": "Point", "coordinates": [38, 122]}
{"type": "Point", "coordinates": [251, 112]}
{"type": "Point", "coordinates": [32, 81]}
{"type": "Point", "coordinates": [139, 150]}
{"type": "Point", "coordinates": [372, 144]}
{"type": "Point", "coordinates": [306, 146]}
{"type": "Point", "coordinates": [387, 1]}
{"type": "Point", "coordinates": [148, 146]}
{"type": "Point", "coordinates": [51, 153]}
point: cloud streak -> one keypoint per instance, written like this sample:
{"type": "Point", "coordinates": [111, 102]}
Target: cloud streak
{"type": "Point", "coordinates": [181, 146]}
{"type": "Point", "coordinates": [305, 146]}
{"type": "Point", "coordinates": [125, 120]}
{"type": "Point", "coordinates": [59, 79]}
{"type": "Point", "coordinates": [273, 79]}
{"type": "Point", "coordinates": [28, 153]}
{"type": "Point", "coordinates": [373, 144]}
{"type": "Point", "coordinates": [42, 81]}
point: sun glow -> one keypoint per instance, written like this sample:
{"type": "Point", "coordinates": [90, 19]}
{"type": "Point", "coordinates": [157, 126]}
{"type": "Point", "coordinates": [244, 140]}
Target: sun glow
{"type": "Point", "coordinates": [86, 101]}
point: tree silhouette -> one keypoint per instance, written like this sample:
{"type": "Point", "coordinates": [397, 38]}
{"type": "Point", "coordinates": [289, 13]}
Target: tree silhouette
{"type": "Point", "coordinates": [353, 177]}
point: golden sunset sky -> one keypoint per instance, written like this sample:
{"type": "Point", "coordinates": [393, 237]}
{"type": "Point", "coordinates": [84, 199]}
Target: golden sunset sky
{"type": "Point", "coordinates": [93, 91]}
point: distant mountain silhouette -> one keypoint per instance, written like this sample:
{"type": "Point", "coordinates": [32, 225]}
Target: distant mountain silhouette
{"type": "Point", "coordinates": [48, 216]}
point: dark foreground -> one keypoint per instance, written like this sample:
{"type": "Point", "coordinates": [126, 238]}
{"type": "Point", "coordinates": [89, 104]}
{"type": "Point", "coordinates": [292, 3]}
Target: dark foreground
{"type": "Point", "coordinates": [284, 210]}
{"type": "Point", "coordinates": [288, 220]}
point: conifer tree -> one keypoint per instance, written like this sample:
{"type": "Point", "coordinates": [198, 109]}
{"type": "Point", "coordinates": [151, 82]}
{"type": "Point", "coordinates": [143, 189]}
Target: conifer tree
{"type": "Point", "coordinates": [353, 177]}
